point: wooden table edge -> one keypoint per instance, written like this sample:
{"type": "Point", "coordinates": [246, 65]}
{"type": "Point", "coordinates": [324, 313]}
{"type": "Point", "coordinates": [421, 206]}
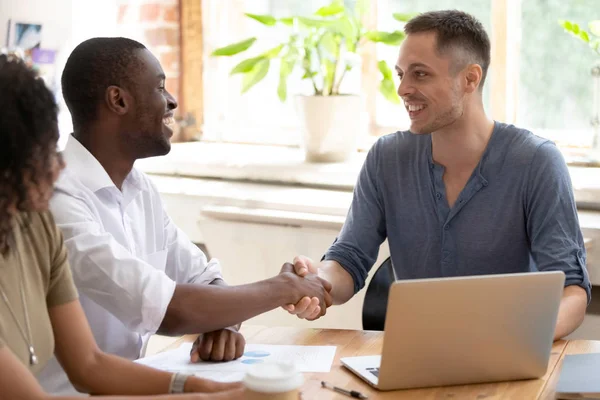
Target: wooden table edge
{"type": "Point", "coordinates": [555, 369]}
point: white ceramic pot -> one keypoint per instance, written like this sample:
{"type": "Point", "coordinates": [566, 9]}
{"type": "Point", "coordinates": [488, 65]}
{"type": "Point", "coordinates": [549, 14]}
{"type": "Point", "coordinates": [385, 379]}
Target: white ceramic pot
{"type": "Point", "coordinates": [330, 126]}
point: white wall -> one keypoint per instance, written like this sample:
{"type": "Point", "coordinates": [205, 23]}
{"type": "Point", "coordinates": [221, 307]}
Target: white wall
{"type": "Point", "coordinates": [54, 15]}
{"type": "Point", "coordinates": [88, 18]}
{"type": "Point", "coordinates": [65, 23]}
{"type": "Point", "coordinates": [92, 18]}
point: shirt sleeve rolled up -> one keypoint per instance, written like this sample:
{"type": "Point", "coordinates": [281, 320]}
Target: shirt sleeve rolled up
{"type": "Point", "coordinates": [552, 222]}
{"type": "Point", "coordinates": [357, 246]}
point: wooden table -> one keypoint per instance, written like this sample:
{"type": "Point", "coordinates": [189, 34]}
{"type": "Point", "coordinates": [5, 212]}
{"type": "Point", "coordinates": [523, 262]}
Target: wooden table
{"type": "Point", "coordinates": [353, 343]}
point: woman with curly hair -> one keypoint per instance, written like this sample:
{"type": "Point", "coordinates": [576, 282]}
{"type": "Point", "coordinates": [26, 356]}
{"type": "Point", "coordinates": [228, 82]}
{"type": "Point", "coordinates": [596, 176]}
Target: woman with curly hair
{"type": "Point", "coordinates": [40, 312]}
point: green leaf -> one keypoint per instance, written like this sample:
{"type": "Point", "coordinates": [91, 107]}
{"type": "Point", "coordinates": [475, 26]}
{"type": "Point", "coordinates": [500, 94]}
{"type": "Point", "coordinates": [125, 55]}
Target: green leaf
{"type": "Point", "coordinates": [388, 90]}
{"type": "Point", "coordinates": [334, 8]}
{"type": "Point", "coordinates": [575, 30]}
{"type": "Point", "coordinates": [246, 65]}
{"type": "Point", "coordinates": [583, 35]}
{"type": "Point", "coordinates": [234, 48]}
{"type": "Point", "coordinates": [594, 27]}
{"type": "Point", "coordinates": [282, 89]}
{"type": "Point", "coordinates": [263, 19]}
{"type": "Point", "coordinates": [387, 86]}
{"type": "Point", "coordinates": [328, 76]}
{"type": "Point", "coordinates": [286, 68]}
{"type": "Point", "coordinates": [595, 45]}
{"type": "Point", "coordinates": [315, 23]}
{"type": "Point", "coordinates": [274, 52]}
{"type": "Point", "coordinates": [389, 38]}
{"type": "Point", "coordinates": [403, 17]}
{"type": "Point", "coordinates": [256, 75]}
{"type": "Point", "coordinates": [351, 43]}
{"type": "Point", "coordinates": [385, 70]}
{"type": "Point", "coordinates": [345, 27]}
{"type": "Point", "coordinates": [567, 25]}
{"type": "Point", "coordinates": [289, 21]}
{"type": "Point", "coordinates": [361, 8]}
{"type": "Point", "coordinates": [328, 43]}
{"type": "Point", "coordinates": [308, 74]}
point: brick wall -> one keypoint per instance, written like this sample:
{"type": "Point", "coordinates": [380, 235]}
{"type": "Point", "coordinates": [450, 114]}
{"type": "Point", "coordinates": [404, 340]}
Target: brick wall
{"type": "Point", "coordinates": [156, 25]}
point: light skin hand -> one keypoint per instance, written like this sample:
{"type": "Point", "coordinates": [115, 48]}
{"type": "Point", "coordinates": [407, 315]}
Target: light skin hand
{"type": "Point", "coordinates": [571, 311]}
{"type": "Point", "coordinates": [310, 307]}
{"type": "Point", "coordinates": [341, 285]}
{"type": "Point", "coordinates": [306, 308]}
{"type": "Point", "coordinates": [17, 382]}
{"type": "Point", "coordinates": [195, 384]}
{"type": "Point", "coordinates": [222, 345]}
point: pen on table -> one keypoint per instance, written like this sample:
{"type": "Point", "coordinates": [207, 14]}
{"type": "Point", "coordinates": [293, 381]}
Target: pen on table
{"type": "Point", "coordinates": [351, 393]}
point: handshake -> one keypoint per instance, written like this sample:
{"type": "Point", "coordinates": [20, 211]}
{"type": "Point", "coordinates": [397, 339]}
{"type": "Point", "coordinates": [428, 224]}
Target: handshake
{"type": "Point", "coordinates": [309, 295]}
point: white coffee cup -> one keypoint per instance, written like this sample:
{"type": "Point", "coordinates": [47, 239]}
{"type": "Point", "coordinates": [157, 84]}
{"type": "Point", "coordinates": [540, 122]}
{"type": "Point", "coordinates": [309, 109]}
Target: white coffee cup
{"type": "Point", "coordinates": [273, 381]}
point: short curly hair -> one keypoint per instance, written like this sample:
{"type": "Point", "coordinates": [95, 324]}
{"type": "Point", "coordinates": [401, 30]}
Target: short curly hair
{"type": "Point", "coordinates": [28, 139]}
{"type": "Point", "coordinates": [94, 65]}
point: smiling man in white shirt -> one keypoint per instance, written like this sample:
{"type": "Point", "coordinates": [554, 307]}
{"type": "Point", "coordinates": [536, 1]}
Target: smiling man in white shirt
{"type": "Point", "coordinates": [136, 272]}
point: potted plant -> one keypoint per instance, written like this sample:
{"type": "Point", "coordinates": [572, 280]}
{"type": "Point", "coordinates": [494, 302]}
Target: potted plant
{"type": "Point", "coordinates": [325, 46]}
{"type": "Point", "coordinates": [592, 38]}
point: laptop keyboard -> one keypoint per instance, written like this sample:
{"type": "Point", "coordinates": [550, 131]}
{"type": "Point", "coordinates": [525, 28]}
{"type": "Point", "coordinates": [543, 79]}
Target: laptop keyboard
{"type": "Point", "coordinates": [374, 371]}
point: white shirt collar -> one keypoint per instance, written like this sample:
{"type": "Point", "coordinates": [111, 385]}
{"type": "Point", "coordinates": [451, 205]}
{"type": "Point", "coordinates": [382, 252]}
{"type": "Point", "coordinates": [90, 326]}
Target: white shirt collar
{"type": "Point", "coordinates": [88, 169]}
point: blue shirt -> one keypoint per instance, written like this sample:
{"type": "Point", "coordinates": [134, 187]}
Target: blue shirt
{"type": "Point", "coordinates": [516, 213]}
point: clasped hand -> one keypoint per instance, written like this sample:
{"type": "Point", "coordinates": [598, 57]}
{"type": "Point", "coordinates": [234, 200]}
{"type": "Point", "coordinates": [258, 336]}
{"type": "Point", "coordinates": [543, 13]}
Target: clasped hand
{"type": "Point", "coordinates": [309, 307]}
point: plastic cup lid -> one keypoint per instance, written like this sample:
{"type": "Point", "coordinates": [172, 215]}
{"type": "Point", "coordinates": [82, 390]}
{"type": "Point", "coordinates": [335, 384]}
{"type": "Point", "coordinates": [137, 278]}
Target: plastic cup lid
{"type": "Point", "coordinates": [272, 377]}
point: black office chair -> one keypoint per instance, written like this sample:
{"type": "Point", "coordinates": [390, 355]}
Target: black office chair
{"type": "Point", "coordinates": [376, 298]}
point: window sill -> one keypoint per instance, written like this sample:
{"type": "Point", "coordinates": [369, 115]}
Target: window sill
{"type": "Point", "coordinates": [286, 166]}
{"type": "Point", "coordinates": [255, 163]}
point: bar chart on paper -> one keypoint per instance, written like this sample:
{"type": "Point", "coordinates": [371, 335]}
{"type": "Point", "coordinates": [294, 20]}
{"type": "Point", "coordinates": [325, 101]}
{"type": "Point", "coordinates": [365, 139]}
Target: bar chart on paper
{"type": "Point", "coordinates": [306, 359]}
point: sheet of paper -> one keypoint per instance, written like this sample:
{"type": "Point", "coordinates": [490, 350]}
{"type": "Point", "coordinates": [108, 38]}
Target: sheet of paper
{"type": "Point", "coordinates": [306, 358]}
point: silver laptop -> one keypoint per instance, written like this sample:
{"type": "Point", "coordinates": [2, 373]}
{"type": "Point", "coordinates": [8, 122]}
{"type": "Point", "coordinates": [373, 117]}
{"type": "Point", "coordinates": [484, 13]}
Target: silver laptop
{"type": "Point", "coordinates": [453, 331]}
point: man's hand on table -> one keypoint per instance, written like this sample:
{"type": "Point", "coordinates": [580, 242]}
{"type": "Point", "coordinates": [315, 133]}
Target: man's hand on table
{"type": "Point", "coordinates": [222, 345]}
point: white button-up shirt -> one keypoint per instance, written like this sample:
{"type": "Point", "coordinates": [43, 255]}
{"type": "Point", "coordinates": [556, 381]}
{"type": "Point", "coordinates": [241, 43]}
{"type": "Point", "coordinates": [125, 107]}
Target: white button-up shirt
{"type": "Point", "coordinates": [125, 253]}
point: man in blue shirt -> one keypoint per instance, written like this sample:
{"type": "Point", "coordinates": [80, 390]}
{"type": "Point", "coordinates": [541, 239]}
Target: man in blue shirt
{"type": "Point", "coordinates": [459, 194]}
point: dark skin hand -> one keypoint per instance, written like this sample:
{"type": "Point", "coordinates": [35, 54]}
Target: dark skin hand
{"type": "Point", "coordinates": [207, 308]}
{"type": "Point", "coordinates": [222, 345]}
{"type": "Point", "coordinates": [228, 344]}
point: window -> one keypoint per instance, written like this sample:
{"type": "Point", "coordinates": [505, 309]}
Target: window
{"type": "Point", "coordinates": [555, 81]}
{"type": "Point", "coordinates": [540, 77]}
